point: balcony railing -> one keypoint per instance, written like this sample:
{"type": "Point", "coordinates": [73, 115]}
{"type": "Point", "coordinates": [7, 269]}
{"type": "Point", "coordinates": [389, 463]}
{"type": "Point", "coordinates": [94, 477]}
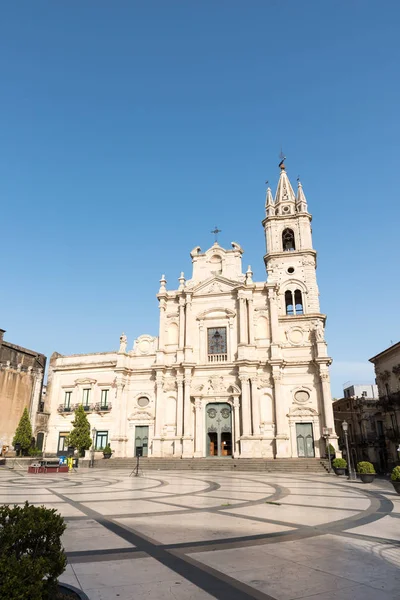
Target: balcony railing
{"type": "Point", "coordinates": [65, 409]}
{"type": "Point", "coordinates": [217, 358]}
{"type": "Point", "coordinates": [103, 407]}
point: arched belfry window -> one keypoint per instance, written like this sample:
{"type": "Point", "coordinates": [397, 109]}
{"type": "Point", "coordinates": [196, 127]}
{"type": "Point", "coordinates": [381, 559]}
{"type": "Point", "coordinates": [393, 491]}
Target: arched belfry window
{"type": "Point", "coordinates": [298, 303]}
{"type": "Point", "coordinates": [288, 240]}
{"type": "Point", "coordinates": [294, 303]}
{"type": "Point", "coordinates": [289, 302]}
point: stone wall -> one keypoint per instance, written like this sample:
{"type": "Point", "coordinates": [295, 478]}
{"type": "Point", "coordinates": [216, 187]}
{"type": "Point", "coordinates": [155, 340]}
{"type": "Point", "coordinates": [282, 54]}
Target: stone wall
{"type": "Point", "coordinates": [21, 378]}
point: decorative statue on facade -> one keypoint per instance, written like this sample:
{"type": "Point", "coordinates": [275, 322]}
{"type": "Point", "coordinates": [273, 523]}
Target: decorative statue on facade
{"type": "Point", "coordinates": [123, 342]}
{"type": "Point", "coordinates": [319, 332]}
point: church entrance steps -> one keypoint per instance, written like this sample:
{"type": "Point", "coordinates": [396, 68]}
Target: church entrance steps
{"type": "Point", "coordinates": [279, 465]}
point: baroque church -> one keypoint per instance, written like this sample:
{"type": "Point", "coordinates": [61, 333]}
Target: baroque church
{"type": "Point", "coordinates": [239, 368]}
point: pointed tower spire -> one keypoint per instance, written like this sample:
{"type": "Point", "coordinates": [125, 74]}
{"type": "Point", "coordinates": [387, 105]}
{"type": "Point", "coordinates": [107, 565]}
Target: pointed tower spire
{"type": "Point", "coordinates": [285, 199]}
{"type": "Point", "coordinates": [269, 204]}
{"type": "Point", "coordinates": [301, 202]}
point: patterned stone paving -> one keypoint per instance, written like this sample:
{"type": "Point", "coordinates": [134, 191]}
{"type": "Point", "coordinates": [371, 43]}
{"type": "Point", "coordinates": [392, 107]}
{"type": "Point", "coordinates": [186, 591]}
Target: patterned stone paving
{"type": "Point", "coordinates": [192, 536]}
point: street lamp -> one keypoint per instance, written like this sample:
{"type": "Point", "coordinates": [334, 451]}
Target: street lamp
{"type": "Point", "coordinates": [352, 475]}
{"type": "Point", "coordinates": [94, 431]}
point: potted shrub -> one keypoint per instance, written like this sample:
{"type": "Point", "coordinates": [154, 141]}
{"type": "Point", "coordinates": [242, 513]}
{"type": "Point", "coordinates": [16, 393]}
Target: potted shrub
{"type": "Point", "coordinates": [107, 451]}
{"type": "Point", "coordinates": [395, 479]}
{"type": "Point", "coordinates": [31, 553]}
{"type": "Point", "coordinates": [366, 471]}
{"type": "Point", "coordinates": [339, 466]}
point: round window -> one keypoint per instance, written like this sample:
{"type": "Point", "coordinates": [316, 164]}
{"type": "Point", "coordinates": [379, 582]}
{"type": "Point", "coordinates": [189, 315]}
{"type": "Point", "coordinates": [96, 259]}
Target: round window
{"type": "Point", "coordinates": [143, 401]}
{"type": "Point", "coordinates": [290, 270]}
{"type": "Point", "coordinates": [302, 396]}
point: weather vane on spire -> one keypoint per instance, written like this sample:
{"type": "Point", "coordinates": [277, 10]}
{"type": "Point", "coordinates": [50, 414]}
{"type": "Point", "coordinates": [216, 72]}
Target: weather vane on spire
{"type": "Point", "coordinates": [283, 158]}
{"type": "Point", "coordinates": [216, 231]}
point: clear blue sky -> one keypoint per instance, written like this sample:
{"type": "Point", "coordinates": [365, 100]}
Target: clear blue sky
{"type": "Point", "coordinates": [130, 128]}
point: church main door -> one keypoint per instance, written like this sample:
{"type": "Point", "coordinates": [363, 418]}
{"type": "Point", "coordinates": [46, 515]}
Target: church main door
{"type": "Point", "coordinates": [305, 440]}
{"type": "Point", "coordinates": [219, 429]}
{"type": "Point", "coordinates": [141, 440]}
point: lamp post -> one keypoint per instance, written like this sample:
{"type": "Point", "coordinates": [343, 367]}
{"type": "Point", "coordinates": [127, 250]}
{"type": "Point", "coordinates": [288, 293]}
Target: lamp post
{"type": "Point", "coordinates": [352, 475]}
{"type": "Point", "coordinates": [94, 431]}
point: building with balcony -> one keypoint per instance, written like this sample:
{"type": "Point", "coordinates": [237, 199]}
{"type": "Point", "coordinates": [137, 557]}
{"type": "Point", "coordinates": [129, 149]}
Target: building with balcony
{"type": "Point", "coordinates": [239, 368]}
{"type": "Point", "coordinates": [366, 433]}
{"type": "Point", "coordinates": [387, 372]}
{"type": "Point", "coordinates": [21, 380]}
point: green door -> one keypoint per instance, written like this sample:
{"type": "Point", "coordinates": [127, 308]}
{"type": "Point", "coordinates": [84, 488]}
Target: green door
{"type": "Point", "coordinates": [141, 440]}
{"type": "Point", "coordinates": [305, 440]}
{"type": "Point", "coordinates": [219, 429]}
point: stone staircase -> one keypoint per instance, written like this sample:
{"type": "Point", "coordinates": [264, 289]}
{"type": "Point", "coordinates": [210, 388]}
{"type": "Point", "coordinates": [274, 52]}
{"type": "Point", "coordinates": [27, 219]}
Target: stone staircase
{"type": "Point", "coordinates": [279, 465]}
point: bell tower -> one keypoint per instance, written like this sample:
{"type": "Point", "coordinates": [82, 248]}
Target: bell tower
{"type": "Point", "coordinates": [290, 260]}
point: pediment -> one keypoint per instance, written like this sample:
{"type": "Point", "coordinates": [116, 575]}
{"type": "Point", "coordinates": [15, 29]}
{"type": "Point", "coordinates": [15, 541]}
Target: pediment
{"type": "Point", "coordinates": [215, 286]}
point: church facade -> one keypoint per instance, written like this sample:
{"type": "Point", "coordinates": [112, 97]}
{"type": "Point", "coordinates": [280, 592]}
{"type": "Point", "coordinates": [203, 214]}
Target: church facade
{"type": "Point", "coordinates": [239, 368]}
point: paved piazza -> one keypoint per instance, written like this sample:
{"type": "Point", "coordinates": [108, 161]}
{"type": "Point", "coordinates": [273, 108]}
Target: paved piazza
{"type": "Point", "coordinates": [191, 536]}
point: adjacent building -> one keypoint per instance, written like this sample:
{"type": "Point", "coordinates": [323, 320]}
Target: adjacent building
{"type": "Point", "coordinates": [387, 371]}
{"type": "Point", "coordinates": [239, 368]}
{"type": "Point", "coordinates": [21, 380]}
{"type": "Point", "coordinates": [361, 409]}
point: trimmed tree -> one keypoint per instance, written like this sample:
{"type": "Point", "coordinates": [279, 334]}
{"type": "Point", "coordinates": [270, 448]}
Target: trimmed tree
{"type": "Point", "coordinates": [80, 435]}
{"type": "Point", "coordinates": [23, 434]}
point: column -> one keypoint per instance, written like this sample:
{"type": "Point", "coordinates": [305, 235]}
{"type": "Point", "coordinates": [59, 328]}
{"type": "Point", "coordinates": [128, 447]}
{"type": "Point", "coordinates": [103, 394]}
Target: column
{"type": "Point", "coordinates": [199, 428]}
{"type": "Point", "coordinates": [156, 449]}
{"type": "Point", "coordinates": [187, 406]}
{"type": "Point", "coordinates": [179, 417]}
{"type": "Point", "coordinates": [281, 425]}
{"type": "Point", "coordinates": [273, 311]}
{"type": "Point", "coordinates": [327, 400]}
{"type": "Point", "coordinates": [179, 407]}
{"type": "Point", "coordinates": [161, 334]}
{"type": "Point", "coordinates": [280, 419]}
{"type": "Point", "coordinates": [246, 422]}
{"type": "Point", "coordinates": [251, 320]}
{"type": "Point", "coordinates": [181, 322]}
{"type": "Point", "coordinates": [231, 353]}
{"type": "Point", "coordinates": [36, 389]}
{"type": "Point", "coordinates": [159, 407]}
{"type": "Point", "coordinates": [242, 320]}
{"type": "Point", "coordinates": [255, 403]}
{"type": "Point", "coordinates": [202, 342]}
{"type": "Point", "coordinates": [188, 337]}
{"type": "Point", "coordinates": [188, 444]}
{"type": "Point", "coordinates": [236, 431]}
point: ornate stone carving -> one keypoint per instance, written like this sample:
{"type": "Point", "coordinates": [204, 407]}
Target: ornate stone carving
{"type": "Point", "coordinates": [302, 411]}
{"type": "Point", "coordinates": [277, 375]}
{"type": "Point", "coordinates": [169, 385]}
{"type": "Point", "coordinates": [295, 336]}
{"type": "Point", "coordinates": [318, 331]}
{"type": "Point", "coordinates": [215, 384]}
{"type": "Point", "coordinates": [144, 345]}
{"type": "Point", "coordinates": [85, 380]}
{"type": "Point", "coordinates": [309, 261]}
{"type": "Point", "coordinates": [301, 397]}
{"type": "Point", "coordinates": [123, 341]}
{"type": "Point", "coordinates": [324, 375]}
{"type": "Point", "coordinates": [142, 415]}
{"type": "Point", "coordinates": [263, 381]}
{"type": "Point", "coordinates": [196, 250]}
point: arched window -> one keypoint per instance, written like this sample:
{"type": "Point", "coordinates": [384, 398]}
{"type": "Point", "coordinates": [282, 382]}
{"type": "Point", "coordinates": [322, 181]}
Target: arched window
{"type": "Point", "coordinates": [288, 240]}
{"type": "Point", "coordinates": [289, 302]}
{"type": "Point", "coordinates": [298, 303]}
{"type": "Point", "coordinates": [294, 303]}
